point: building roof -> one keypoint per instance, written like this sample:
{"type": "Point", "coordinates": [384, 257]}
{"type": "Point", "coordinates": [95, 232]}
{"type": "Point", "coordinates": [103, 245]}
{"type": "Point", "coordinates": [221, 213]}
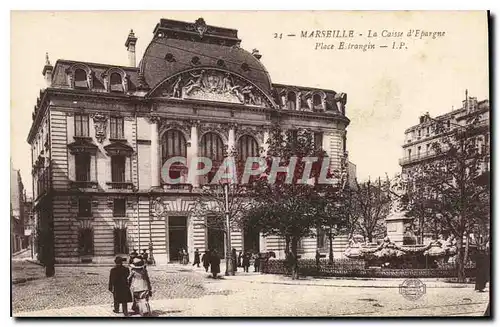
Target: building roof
{"type": "Point", "coordinates": [178, 46]}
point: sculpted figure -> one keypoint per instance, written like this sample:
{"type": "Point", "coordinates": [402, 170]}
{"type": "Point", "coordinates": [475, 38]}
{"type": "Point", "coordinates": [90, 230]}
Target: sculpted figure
{"type": "Point", "coordinates": [176, 91]}
{"type": "Point", "coordinates": [195, 82]}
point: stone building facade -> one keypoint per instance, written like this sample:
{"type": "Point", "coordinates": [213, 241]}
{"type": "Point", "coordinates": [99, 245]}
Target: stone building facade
{"type": "Point", "coordinates": [417, 147]}
{"type": "Point", "coordinates": [101, 133]}
{"type": "Point", "coordinates": [19, 212]}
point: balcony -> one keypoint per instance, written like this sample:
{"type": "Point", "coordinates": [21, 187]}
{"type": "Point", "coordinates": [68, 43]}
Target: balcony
{"type": "Point", "coordinates": [83, 184]}
{"type": "Point", "coordinates": [179, 187]}
{"type": "Point", "coordinates": [418, 157]}
{"type": "Point", "coordinates": [120, 185]}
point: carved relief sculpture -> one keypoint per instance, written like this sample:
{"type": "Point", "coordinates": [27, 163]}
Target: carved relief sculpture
{"type": "Point", "coordinates": [100, 124]}
{"type": "Point", "coordinates": [213, 85]}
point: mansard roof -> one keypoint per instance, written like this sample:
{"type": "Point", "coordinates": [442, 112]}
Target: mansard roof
{"type": "Point", "coordinates": [62, 66]}
{"type": "Point", "coordinates": [178, 46]}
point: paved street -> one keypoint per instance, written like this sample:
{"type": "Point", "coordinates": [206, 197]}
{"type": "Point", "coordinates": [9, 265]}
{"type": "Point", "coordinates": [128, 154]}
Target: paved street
{"type": "Point", "coordinates": [183, 291]}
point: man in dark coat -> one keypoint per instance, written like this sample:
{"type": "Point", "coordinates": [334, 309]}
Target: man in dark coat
{"type": "Point", "coordinates": [118, 285]}
{"type": "Point", "coordinates": [246, 262]}
{"type": "Point", "coordinates": [482, 260]}
{"type": "Point", "coordinates": [233, 259]}
{"type": "Point", "coordinates": [196, 258]}
{"type": "Point", "coordinates": [206, 260]}
{"type": "Point", "coordinates": [256, 263]}
{"type": "Point", "coordinates": [214, 263]}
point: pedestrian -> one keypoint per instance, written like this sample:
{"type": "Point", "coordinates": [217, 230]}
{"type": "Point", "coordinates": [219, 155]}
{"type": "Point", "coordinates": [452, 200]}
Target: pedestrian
{"type": "Point", "coordinates": [233, 259]}
{"type": "Point", "coordinates": [118, 285]}
{"type": "Point", "coordinates": [145, 256]}
{"type": "Point", "coordinates": [181, 255]}
{"type": "Point", "coordinates": [256, 263]}
{"type": "Point", "coordinates": [206, 260]}
{"type": "Point", "coordinates": [214, 263]}
{"type": "Point", "coordinates": [482, 270]}
{"type": "Point", "coordinates": [185, 257]}
{"type": "Point", "coordinates": [246, 261]}
{"type": "Point", "coordinates": [140, 286]}
{"type": "Point", "coordinates": [196, 258]}
{"type": "Point", "coordinates": [132, 255]}
{"type": "Point", "coordinates": [240, 257]}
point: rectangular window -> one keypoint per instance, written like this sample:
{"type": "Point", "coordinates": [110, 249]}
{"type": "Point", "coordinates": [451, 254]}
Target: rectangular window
{"type": "Point", "coordinates": [116, 128]}
{"type": "Point", "coordinates": [82, 167]}
{"type": "Point", "coordinates": [118, 169]}
{"type": "Point", "coordinates": [119, 207]}
{"type": "Point", "coordinates": [120, 241]}
{"type": "Point", "coordinates": [84, 207]}
{"type": "Point", "coordinates": [86, 241]}
{"type": "Point", "coordinates": [318, 140]}
{"type": "Point", "coordinates": [81, 125]}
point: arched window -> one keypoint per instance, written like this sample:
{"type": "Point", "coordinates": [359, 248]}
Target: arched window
{"type": "Point", "coordinates": [317, 101]}
{"type": "Point", "coordinates": [247, 147]}
{"type": "Point", "coordinates": [173, 144]}
{"type": "Point", "coordinates": [212, 147]}
{"type": "Point", "coordinates": [115, 82]}
{"type": "Point", "coordinates": [81, 79]}
{"type": "Point", "coordinates": [291, 100]}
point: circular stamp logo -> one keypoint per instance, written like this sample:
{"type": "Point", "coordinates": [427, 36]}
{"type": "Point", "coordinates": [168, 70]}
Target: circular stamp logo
{"type": "Point", "coordinates": [412, 289]}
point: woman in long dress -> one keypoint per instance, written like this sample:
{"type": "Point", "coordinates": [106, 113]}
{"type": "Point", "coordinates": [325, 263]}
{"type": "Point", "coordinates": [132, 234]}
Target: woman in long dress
{"type": "Point", "coordinates": [140, 286]}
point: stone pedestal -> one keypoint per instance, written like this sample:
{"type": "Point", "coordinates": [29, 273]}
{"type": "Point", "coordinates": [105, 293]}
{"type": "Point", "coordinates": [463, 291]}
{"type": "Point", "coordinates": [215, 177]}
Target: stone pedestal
{"type": "Point", "coordinates": [396, 223]}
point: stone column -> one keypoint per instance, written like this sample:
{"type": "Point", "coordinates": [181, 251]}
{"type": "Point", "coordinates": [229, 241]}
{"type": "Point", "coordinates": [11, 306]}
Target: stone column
{"type": "Point", "coordinates": [155, 155]}
{"type": "Point", "coordinates": [193, 152]}
{"type": "Point", "coordinates": [231, 140]}
{"type": "Point", "coordinates": [265, 145]}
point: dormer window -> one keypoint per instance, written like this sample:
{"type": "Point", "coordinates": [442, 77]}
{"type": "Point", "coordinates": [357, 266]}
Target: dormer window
{"type": "Point", "coordinates": [116, 83]}
{"type": "Point", "coordinates": [291, 100]}
{"type": "Point", "coordinates": [317, 101]}
{"type": "Point", "coordinates": [81, 81]}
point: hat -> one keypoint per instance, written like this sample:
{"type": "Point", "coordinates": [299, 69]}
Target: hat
{"type": "Point", "coordinates": [119, 259]}
{"type": "Point", "coordinates": [137, 263]}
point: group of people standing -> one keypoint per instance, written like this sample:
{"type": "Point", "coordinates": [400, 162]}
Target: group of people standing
{"type": "Point", "coordinates": [244, 260]}
{"type": "Point", "coordinates": [131, 284]}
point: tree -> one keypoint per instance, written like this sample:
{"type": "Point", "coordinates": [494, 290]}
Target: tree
{"type": "Point", "coordinates": [453, 188]}
{"type": "Point", "coordinates": [212, 205]}
{"type": "Point", "coordinates": [371, 207]}
{"type": "Point", "coordinates": [290, 210]}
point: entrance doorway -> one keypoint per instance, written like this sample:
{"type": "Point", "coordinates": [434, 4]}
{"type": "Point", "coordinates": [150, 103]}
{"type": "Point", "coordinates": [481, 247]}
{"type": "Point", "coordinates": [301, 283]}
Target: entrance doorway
{"type": "Point", "coordinates": [215, 239]}
{"type": "Point", "coordinates": [251, 240]}
{"type": "Point", "coordinates": [177, 236]}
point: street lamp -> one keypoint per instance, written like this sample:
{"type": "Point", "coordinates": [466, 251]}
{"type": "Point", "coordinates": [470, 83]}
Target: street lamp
{"type": "Point", "coordinates": [229, 259]}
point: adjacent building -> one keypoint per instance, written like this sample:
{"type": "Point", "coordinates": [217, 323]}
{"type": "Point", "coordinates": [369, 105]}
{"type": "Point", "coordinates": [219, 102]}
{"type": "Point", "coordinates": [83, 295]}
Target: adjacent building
{"type": "Point", "coordinates": [101, 134]}
{"type": "Point", "coordinates": [19, 212]}
{"type": "Point", "coordinates": [417, 147]}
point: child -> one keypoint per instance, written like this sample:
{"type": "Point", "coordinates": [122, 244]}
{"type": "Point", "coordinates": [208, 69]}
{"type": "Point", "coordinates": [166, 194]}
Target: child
{"type": "Point", "coordinates": [118, 285]}
{"type": "Point", "coordinates": [206, 260]}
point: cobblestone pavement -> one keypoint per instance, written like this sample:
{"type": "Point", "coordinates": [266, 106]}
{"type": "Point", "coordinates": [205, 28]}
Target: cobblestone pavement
{"type": "Point", "coordinates": [251, 294]}
{"type": "Point", "coordinates": [82, 286]}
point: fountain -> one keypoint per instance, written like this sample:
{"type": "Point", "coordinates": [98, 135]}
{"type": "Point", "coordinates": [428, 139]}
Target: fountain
{"type": "Point", "coordinates": [396, 251]}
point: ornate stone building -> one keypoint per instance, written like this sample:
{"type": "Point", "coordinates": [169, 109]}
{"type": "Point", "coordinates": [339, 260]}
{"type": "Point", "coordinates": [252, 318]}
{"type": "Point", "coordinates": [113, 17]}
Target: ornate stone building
{"type": "Point", "coordinates": [417, 147]}
{"type": "Point", "coordinates": [101, 133]}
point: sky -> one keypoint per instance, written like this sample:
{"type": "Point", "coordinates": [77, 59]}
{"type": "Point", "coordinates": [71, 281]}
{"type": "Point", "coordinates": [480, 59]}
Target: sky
{"type": "Point", "coordinates": [387, 89]}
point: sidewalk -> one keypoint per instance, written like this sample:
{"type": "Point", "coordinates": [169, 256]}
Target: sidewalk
{"type": "Point", "coordinates": [252, 294]}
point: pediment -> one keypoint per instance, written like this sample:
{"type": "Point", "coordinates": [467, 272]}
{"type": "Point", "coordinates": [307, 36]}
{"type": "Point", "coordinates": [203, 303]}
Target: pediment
{"type": "Point", "coordinates": [118, 149]}
{"type": "Point", "coordinates": [209, 84]}
{"type": "Point", "coordinates": [82, 145]}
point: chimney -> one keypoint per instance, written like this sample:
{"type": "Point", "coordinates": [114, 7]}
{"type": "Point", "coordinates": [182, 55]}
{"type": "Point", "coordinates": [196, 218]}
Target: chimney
{"type": "Point", "coordinates": [47, 70]}
{"type": "Point", "coordinates": [256, 54]}
{"type": "Point", "coordinates": [130, 44]}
